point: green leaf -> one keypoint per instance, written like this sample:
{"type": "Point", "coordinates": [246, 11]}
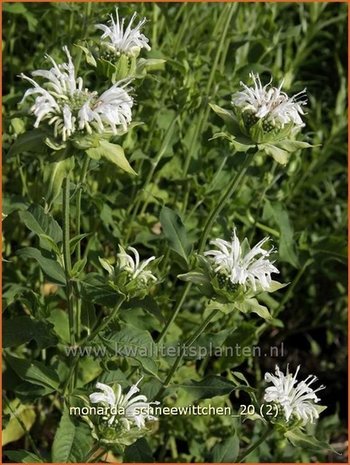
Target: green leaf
{"type": "Point", "coordinates": [194, 277]}
{"type": "Point", "coordinates": [41, 223]}
{"type": "Point", "coordinates": [90, 60]}
{"type": "Point", "coordinates": [209, 342]}
{"type": "Point", "coordinates": [134, 343]}
{"type": "Point", "coordinates": [22, 456]}
{"type": "Point", "coordinates": [59, 319]}
{"type": "Point", "coordinates": [96, 290]}
{"type": "Point", "coordinates": [78, 267]}
{"type": "Point", "coordinates": [293, 145]}
{"type": "Point", "coordinates": [280, 155]}
{"type": "Point", "coordinates": [226, 451]}
{"type": "Point", "coordinates": [175, 232]}
{"type": "Point", "coordinates": [72, 441]}
{"type": "Point", "coordinates": [50, 267]}
{"type": "Point", "coordinates": [278, 215]}
{"type": "Point", "coordinates": [34, 372]}
{"type": "Point", "coordinates": [229, 118]}
{"type": "Point", "coordinates": [30, 141]}
{"type": "Point", "coordinates": [300, 439]}
{"type": "Point", "coordinates": [76, 240]}
{"type": "Point", "coordinates": [207, 388]}
{"type": "Point", "coordinates": [14, 430]}
{"type": "Point", "coordinates": [252, 305]}
{"type": "Point", "coordinates": [276, 286]}
{"type": "Point", "coordinates": [139, 452]}
{"type": "Point", "coordinates": [54, 174]}
{"type": "Point", "coordinates": [113, 153]}
{"type": "Point", "coordinates": [21, 329]}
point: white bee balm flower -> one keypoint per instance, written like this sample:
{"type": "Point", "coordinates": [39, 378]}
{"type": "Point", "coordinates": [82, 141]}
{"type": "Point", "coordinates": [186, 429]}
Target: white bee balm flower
{"type": "Point", "coordinates": [128, 40]}
{"type": "Point", "coordinates": [134, 410]}
{"type": "Point", "coordinates": [248, 269]}
{"type": "Point", "coordinates": [64, 102]}
{"type": "Point", "coordinates": [270, 103]}
{"type": "Point", "coordinates": [296, 398]}
{"type": "Point", "coordinates": [134, 266]}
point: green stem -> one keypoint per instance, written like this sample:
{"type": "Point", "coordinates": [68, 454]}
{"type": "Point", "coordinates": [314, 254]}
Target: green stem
{"type": "Point", "coordinates": [175, 312]}
{"type": "Point", "coordinates": [226, 16]}
{"type": "Point", "coordinates": [186, 345]}
{"type": "Point", "coordinates": [256, 444]}
{"type": "Point", "coordinates": [216, 210]}
{"type": "Point", "coordinates": [155, 164]}
{"type": "Point", "coordinates": [105, 322]}
{"type": "Point", "coordinates": [67, 257]}
{"type": "Point", "coordinates": [78, 226]}
{"type": "Point", "coordinates": [211, 218]}
{"type": "Point", "coordinates": [92, 452]}
{"type": "Point", "coordinates": [23, 426]}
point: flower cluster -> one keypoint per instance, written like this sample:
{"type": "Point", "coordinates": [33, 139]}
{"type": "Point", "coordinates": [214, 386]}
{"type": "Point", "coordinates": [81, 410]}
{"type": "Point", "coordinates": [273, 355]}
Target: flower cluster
{"type": "Point", "coordinates": [127, 41]}
{"type": "Point", "coordinates": [129, 416]}
{"type": "Point", "coordinates": [237, 265]}
{"type": "Point", "coordinates": [131, 276]}
{"type": "Point", "coordinates": [269, 104]}
{"type": "Point", "coordinates": [296, 399]}
{"type": "Point", "coordinates": [69, 107]}
{"type": "Point", "coordinates": [136, 269]}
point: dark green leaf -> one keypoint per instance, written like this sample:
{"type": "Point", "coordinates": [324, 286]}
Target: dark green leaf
{"type": "Point", "coordinates": [21, 329]}
{"type": "Point", "coordinates": [226, 451]}
{"type": "Point", "coordinates": [175, 232]}
{"type": "Point", "coordinates": [72, 440]}
{"type": "Point", "coordinates": [34, 372]}
{"type": "Point", "coordinates": [22, 456]}
{"type": "Point", "coordinates": [50, 267]}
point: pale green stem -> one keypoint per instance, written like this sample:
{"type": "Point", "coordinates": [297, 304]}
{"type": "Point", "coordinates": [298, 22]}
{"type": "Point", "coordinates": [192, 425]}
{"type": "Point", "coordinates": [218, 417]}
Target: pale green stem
{"type": "Point", "coordinates": [256, 444]}
{"type": "Point", "coordinates": [105, 322]}
{"type": "Point", "coordinates": [222, 200]}
{"type": "Point", "coordinates": [211, 219]}
{"type": "Point", "coordinates": [67, 257]}
{"type": "Point", "coordinates": [78, 226]}
{"type": "Point", "coordinates": [175, 312]}
{"type": "Point", "coordinates": [23, 426]}
{"type": "Point", "coordinates": [156, 163]}
{"type": "Point", "coordinates": [227, 16]}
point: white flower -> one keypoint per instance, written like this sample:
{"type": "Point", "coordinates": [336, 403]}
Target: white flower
{"type": "Point", "coordinates": [133, 266]}
{"type": "Point", "coordinates": [270, 102]}
{"type": "Point", "coordinates": [134, 411]}
{"type": "Point", "coordinates": [296, 398]}
{"type": "Point", "coordinates": [69, 107]}
{"type": "Point", "coordinates": [128, 41]}
{"type": "Point", "coordinates": [253, 268]}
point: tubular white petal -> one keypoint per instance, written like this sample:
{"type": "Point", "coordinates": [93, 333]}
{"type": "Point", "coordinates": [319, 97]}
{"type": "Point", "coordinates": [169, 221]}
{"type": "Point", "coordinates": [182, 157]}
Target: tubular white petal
{"type": "Point", "coordinates": [297, 399]}
{"type": "Point", "coordinates": [270, 102]}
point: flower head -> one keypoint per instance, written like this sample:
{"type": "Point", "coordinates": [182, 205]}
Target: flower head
{"type": "Point", "coordinates": [126, 415]}
{"type": "Point", "coordinates": [127, 40]}
{"type": "Point", "coordinates": [134, 267]}
{"type": "Point", "coordinates": [296, 398]}
{"type": "Point", "coordinates": [252, 268]}
{"type": "Point", "coordinates": [69, 107]}
{"type": "Point", "coordinates": [270, 104]}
